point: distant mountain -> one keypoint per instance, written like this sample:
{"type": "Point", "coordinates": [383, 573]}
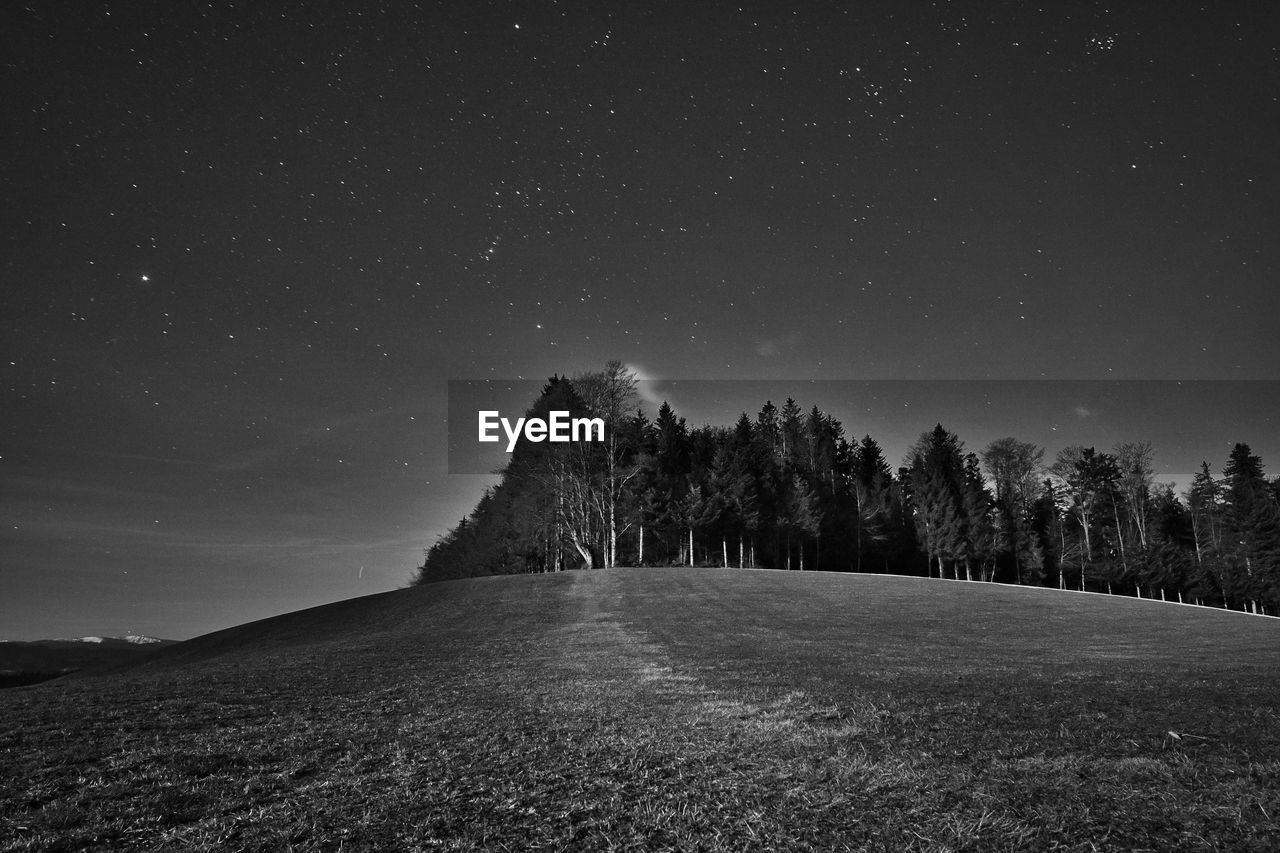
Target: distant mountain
{"type": "Point", "coordinates": [27, 662]}
{"type": "Point", "coordinates": [131, 638]}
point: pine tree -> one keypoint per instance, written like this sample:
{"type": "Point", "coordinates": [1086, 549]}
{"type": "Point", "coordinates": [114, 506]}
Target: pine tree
{"type": "Point", "coordinates": [937, 491]}
{"type": "Point", "coordinates": [792, 431]}
{"type": "Point", "coordinates": [1205, 502]}
{"type": "Point", "coordinates": [979, 544]}
{"type": "Point", "coordinates": [874, 507]}
{"type": "Point", "coordinates": [731, 510]}
{"type": "Point", "coordinates": [1252, 522]}
{"type": "Point", "coordinates": [689, 511]}
{"type": "Point", "coordinates": [803, 517]}
{"type": "Point", "coordinates": [1050, 532]}
{"type": "Point", "coordinates": [769, 431]}
{"type": "Point", "coordinates": [526, 521]}
{"type": "Point", "coordinates": [1172, 563]}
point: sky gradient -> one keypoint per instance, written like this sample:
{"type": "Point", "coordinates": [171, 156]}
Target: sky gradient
{"type": "Point", "coordinates": [247, 247]}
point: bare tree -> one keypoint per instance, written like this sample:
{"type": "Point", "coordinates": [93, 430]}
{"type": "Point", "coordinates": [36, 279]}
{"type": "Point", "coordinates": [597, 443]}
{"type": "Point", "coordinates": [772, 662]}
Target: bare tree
{"type": "Point", "coordinates": [611, 394]}
{"type": "Point", "coordinates": [1014, 467]}
{"type": "Point", "coordinates": [1085, 476]}
{"type": "Point", "coordinates": [1133, 458]}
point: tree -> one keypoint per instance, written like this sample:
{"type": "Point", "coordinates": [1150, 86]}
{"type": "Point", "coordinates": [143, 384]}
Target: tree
{"type": "Point", "coordinates": [979, 540]}
{"type": "Point", "coordinates": [1133, 461]}
{"type": "Point", "coordinates": [1014, 468]}
{"type": "Point", "coordinates": [876, 506]}
{"type": "Point", "coordinates": [731, 507]}
{"type": "Point", "coordinates": [826, 464]}
{"type": "Point", "coordinates": [1050, 531]}
{"type": "Point", "coordinates": [802, 517]}
{"type": "Point", "coordinates": [689, 511]}
{"type": "Point", "coordinates": [611, 395]}
{"type": "Point", "coordinates": [790, 483]}
{"type": "Point", "coordinates": [791, 428]}
{"type": "Point", "coordinates": [532, 517]}
{"type": "Point", "coordinates": [1252, 523]}
{"type": "Point", "coordinates": [769, 431]}
{"type": "Point", "coordinates": [1205, 503]}
{"type": "Point", "coordinates": [936, 471]}
{"type": "Point", "coordinates": [1087, 478]}
{"type": "Point", "coordinates": [565, 473]}
{"type": "Point", "coordinates": [1171, 545]}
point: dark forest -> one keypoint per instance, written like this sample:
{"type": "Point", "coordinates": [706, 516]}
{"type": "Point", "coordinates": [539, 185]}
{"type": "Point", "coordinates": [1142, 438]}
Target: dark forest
{"type": "Point", "coordinates": [787, 489]}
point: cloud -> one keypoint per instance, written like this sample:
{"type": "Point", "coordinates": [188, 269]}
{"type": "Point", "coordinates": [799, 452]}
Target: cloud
{"type": "Point", "coordinates": [42, 488]}
{"type": "Point", "coordinates": [770, 347]}
{"type": "Point", "coordinates": [1083, 412]}
{"type": "Point", "coordinates": [648, 386]}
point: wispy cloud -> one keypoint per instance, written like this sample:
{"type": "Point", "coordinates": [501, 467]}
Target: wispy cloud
{"type": "Point", "coordinates": [769, 347]}
{"type": "Point", "coordinates": [70, 487]}
{"type": "Point", "coordinates": [648, 386]}
{"type": "Point", "coordinates": [143, 457]}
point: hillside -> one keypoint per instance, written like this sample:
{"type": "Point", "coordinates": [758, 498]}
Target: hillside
{"type": "Point", "coordinates": [28, 662]}
{"type": "Point", "coordinates": [666, 708]}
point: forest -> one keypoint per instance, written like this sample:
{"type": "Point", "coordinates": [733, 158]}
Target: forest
{"type": "Point", "coordinates": [789, 490]}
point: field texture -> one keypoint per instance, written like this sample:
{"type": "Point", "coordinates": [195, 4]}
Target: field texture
{"type": "Point", "coordinates": [654, 709]}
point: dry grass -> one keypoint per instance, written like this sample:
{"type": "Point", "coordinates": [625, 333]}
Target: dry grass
{"type": "Point", "coordinates": [668, 710]}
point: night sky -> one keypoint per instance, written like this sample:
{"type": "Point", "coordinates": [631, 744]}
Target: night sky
{"type": "Point", "coordinates": [247, 245]}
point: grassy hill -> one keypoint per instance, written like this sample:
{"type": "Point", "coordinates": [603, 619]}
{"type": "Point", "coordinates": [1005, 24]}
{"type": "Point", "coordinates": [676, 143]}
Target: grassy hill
{"type": "Point", "coordinates": [669, 709]}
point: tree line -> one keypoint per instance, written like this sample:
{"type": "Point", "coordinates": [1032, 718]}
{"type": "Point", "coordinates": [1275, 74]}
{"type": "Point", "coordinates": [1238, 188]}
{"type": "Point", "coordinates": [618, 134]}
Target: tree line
{"type": "Point", "coordinates": [788, 490]}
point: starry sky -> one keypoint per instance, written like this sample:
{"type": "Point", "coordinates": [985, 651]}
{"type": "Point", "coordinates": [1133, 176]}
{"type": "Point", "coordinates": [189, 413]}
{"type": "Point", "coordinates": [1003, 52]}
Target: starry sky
{"type": "Point", "coordinates": [248, 245]}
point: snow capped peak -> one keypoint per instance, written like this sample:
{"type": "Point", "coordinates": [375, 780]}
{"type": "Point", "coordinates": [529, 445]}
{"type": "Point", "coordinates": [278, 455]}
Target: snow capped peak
{"type": "Point", "coordinates": [135, 639]}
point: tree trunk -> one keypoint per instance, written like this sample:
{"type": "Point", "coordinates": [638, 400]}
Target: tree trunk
{"type": "Point", "coordinates": [1115, 512]}
{"type": "Point", "coordinates": [1017, 569]}
{"type": "Point", "coordinates": [858, 529]}
{"type": "Point", "coordinates": [1062, 553]}
{"type": "Point", "coordinates": [640, 559]}
{"type": "Point", "coordinates": [613, 528]}
{"type": "Point", "coordinates": [559, 516]}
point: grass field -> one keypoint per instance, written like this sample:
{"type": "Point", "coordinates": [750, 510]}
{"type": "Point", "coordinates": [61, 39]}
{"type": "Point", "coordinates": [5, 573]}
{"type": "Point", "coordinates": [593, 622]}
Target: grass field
{"type": "Point", "coordinates": [656, 709]}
